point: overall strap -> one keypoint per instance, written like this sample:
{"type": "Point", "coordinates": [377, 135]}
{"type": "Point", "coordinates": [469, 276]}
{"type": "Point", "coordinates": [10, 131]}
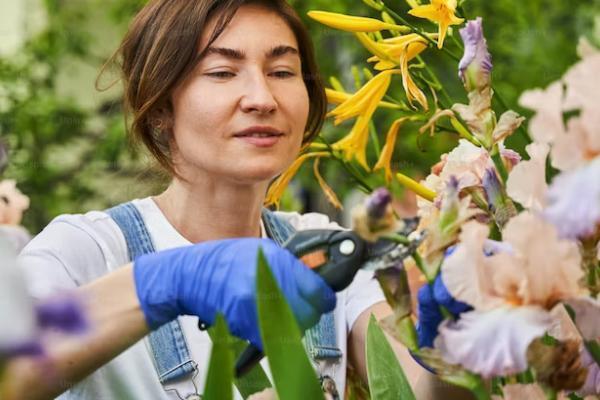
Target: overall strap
{"type": "Point", "coordinates": [171, 355]}
{"type": "Point", "coordinates": [320, 340]}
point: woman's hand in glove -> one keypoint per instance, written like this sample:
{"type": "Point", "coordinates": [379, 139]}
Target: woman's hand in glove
{"type": "Point", "coordinates": [220, 277]}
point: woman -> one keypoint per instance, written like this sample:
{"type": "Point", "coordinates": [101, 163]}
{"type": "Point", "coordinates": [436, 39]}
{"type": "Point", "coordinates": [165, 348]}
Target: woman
{"type": "Point", "coordinates": [223, 94]}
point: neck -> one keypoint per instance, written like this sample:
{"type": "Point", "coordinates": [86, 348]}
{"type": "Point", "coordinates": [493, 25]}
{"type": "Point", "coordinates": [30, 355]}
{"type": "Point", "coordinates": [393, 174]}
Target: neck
{"type": "Point", "coordinates": [207, 209]}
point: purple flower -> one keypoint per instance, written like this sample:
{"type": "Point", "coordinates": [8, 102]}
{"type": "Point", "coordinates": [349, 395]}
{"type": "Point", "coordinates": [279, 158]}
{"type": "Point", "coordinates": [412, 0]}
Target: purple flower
{"type": "Point", "coordinates": [63, 313]}
{"type": "Point", "coordinates": [500, 204]}
{"type": "Point", "coordinates": [30, 347]}
{"type": "Point", "coordinates": [378, 202]}
{"type": "Point", "coordinates": [574, 202]}
{"type": "Point", "coordinates": [492, 188]}
{"type": "Point", "coordinates": [476, 64]}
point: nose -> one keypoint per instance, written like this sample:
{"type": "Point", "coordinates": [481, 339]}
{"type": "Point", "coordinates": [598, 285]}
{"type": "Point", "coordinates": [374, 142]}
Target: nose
{"type": "Point", "coordinates": [258, 96]}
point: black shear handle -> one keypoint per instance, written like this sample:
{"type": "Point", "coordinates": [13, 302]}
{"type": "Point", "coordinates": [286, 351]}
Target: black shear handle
{"type": "Point", "coordinates": [335, 255]}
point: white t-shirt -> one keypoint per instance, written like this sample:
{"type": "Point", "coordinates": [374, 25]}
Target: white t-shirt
{"type": "Point", "coordinates": [76, 249]}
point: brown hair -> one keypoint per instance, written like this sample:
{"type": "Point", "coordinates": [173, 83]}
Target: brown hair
{"type": "Point", "coordinates": [160, 50]}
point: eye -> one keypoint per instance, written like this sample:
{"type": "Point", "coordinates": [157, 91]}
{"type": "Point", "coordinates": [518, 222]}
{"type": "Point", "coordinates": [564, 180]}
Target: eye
{"type": "Point", "coordinates": [283, 74]}
{"type": "Point", "coordinates": [221, 74]}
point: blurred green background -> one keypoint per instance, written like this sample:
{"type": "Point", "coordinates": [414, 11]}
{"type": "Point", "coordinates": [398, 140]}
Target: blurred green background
{"type": "Point", "coordinates": [68, 148]}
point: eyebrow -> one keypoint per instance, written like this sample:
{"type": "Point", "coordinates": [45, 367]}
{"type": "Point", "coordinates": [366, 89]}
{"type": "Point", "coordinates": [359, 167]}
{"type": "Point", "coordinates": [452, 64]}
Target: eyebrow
{"type": "Point", "coordinates": [235, 54]}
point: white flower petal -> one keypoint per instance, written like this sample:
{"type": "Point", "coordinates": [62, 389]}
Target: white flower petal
{"type": "Point", "coordinates": [467, 163]}
{"type": "Point", "coordinates": [587, 316]}
{"type": "Point", "coordinates": [545, 267]}
{"type": "Point", "coordinates": [492, 343]}
{"type": "Point", "coordinates": [507, 124]}
{"type": "Point", "coordinates": [547, 124]}
{"type": "Point", "coordinates": [583, 84]}
{"type": "Point", "coordinates": [574, 201]}
{"type": "Point", "coordinates": [527, 182]}
{"type": "Point", "coordinates": [463, 271]}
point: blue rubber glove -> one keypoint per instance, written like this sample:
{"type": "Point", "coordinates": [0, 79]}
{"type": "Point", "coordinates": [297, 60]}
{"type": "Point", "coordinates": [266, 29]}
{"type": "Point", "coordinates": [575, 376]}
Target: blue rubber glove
{"type": "Point", "coordinates": [430, 298]}
{"type": "Point", "coordinates": [220, 277]}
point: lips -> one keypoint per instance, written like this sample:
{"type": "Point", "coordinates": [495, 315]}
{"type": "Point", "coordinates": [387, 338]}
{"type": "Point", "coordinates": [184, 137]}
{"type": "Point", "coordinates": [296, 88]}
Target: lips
{"type": "Point", "coordinates": [260, 136]}
{"type": "Point", "coordinates": [259, 132]}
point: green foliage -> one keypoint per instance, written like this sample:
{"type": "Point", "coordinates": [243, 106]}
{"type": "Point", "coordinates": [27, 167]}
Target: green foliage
{"type": "Point", "coordinates": [386, 378]}
{"type": "Point", "coordinates": [220, 369]}
{"type": "Point", "coordinates": [293, 373]}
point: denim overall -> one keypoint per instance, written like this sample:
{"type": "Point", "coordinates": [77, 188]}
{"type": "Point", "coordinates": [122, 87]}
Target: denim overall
{"type": "Point", "coordinates": [169, 349]}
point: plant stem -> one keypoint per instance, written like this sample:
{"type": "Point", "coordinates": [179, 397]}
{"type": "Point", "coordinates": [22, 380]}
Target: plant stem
{"type": "Point", "coordinates": [394, 237]}
{"type": "Point", "coordinates": [589, 262]}
{"type": "Point", "coordinates": [416, 187]}
{"type": "Point", "coordinates": [421, 266]}
{"type": "Point", "coordinates": [348, 167]}
{"type": "Point", "coordinates": [481, 392]}
{"type": "Point", "coordinates": [499, 164]}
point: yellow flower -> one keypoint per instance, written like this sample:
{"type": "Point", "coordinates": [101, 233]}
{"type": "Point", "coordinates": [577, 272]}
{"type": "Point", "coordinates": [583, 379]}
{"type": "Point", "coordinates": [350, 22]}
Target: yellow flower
{"type": "Point", "coordinates": [278, 186]}
{"type": "Point", "coordinates": [363, 99]}
{"type": "Point", "coordinates": [385, 159]}
{"type": "Point", "coordinates": [440, 11]}
{"type": "Point", "coordinates": [363, 103]}
{"type": "Point", "coordinates": [399, 51]}
{"type": "Point", "coordinates": [329, 193]}
{"type": "Point", "coordinates": [353, 24]}
{"type": "Point", "coordinates": [338, 97]}
{"type": "Point", "coordinates": [378, 50]}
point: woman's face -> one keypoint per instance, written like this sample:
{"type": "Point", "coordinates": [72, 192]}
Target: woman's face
{"type": "Point", "coordinates": [241, 114]}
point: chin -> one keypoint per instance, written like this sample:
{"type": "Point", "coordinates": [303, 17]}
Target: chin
{"type": "Point", "coordinates": [257, 174]}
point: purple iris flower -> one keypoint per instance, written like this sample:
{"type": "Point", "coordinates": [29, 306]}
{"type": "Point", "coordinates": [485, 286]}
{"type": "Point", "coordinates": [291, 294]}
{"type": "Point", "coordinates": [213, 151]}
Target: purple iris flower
{"type": "Point", "coordinates": [476, 64]}
{"type": "Point", "coordinates": [377, 203]}
{"type": "Point", "coordinates": [574, 202]}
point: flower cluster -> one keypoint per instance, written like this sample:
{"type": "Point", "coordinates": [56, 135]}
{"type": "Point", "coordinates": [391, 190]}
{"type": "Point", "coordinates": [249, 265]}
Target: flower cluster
{"type": "Point", "coordinates": [514, 237]}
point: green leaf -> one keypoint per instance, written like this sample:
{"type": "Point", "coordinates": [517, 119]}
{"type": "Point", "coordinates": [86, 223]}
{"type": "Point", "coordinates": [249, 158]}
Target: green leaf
{"type": "Point", "coordinates": [219, 379]}
{"type": "Point", "coordinates": [386, 378]}
{"type": "Point", "coordinates": [293, 374]}
{"type": "Point", "coordinates": [255, 380]}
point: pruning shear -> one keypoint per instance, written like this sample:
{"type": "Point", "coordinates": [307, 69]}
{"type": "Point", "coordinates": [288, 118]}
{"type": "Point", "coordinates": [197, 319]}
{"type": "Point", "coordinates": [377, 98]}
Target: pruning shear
{"type": "Point", "coordinates": [337, 255]}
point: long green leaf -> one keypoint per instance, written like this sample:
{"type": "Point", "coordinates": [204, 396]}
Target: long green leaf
{"type": "Point", "coordinates": [386, 378]}
{"type": "Point", "coordinates": [255, 380]}
{"type": "Point", "coordinates": [293, 374]}
{"type": "Point", "coordinates": [219, 379]}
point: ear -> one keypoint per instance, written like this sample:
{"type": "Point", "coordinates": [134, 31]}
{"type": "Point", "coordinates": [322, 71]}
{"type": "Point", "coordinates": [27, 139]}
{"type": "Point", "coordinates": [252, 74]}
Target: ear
{"type": "Point", "coordinates": [162, 119]}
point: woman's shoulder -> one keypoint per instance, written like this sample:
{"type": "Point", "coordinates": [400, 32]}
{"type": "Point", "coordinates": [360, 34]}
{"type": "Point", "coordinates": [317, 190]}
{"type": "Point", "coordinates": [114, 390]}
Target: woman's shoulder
{"type": "Point", "coordinates": [80, 246]}
{"type": "Point", "coordinates": [93, 226]}
{"type": "Point", "coordinates": [311, 220]}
